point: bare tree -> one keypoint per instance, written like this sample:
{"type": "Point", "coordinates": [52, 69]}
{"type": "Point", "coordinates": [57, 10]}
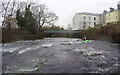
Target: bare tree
{"type": "Point", "coordinates": [11, 7]}
{"type": "Point", "coordinates": [22, 5]}
{"type": "Point", "coordinates": [69, 27]}
{"type": "Point", "coordinates": [7, 9]}
{"type": "Point", "coordinates": [4, 7]}
{"type": "Point", "coordinates": [43, 16]}
{"type": "Point", "coordinates": [40, 12]}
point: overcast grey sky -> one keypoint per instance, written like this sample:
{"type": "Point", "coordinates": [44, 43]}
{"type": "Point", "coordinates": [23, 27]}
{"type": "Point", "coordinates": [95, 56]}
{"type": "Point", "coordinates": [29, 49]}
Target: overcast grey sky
{"type": "Point", "coordinates": [66, 9]}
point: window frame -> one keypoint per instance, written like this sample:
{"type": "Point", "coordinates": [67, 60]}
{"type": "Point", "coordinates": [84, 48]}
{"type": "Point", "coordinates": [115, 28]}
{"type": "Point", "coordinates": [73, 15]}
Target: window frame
{"type": "Point", "coordinates": [95, 18]}
{"type": "Point", "coordinates": [84, 18]}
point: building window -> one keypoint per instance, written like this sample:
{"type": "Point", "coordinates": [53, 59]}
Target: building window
{"type": "Point", "coordinates": [89, 18]}
{"type": "Point", "coordinates": [84, 22]}
{"type": "Point", "coordinates": [116, 17]}
{"type": "Point", "coordinates": [103, 16]}
{"type": "Point", "coordinates": [94, 18]}
{"type": "Point", "coordinates": [89, 23]}
{"type": "Point", "coordinates": [89, 26]}
{"type": "Point", "coordinates": [94, 23]}
{"type": "Point", "coordinates": [109, 19]}
{"type": "Point", "coordinates": [84, 17]}
{"type": "Point", "coordinates": [83, 26]}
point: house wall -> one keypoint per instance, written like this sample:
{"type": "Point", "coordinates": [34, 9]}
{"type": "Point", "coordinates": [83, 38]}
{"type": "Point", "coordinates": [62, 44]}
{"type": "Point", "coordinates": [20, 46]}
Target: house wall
{"type": "Point", "coordinates": [112, 17]}
{"type": "Point", "coordinates": [79, 22]}
{"type": "Point", "coordinates": [103, 18]}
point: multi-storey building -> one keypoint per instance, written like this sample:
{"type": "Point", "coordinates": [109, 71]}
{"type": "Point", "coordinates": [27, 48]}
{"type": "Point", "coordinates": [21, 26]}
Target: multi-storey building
{"type": "Point", "coordinates": [103, 18]}
{"type": "Point", "coordinates": [112, 16]}
{"type": "Point", "coordinates": [85, 20]}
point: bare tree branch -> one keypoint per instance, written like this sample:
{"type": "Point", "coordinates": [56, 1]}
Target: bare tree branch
{"type": "Point", "coordinates": [43, 15]}
{"type": "Point", "coordinates": [5, 11]}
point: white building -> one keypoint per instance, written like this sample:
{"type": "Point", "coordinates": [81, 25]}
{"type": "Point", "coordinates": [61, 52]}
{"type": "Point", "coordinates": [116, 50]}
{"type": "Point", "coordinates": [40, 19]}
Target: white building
{"type": "Point", "coordinates": [103, 18]}
{"type": "Point", "coordinates": [85, 20]}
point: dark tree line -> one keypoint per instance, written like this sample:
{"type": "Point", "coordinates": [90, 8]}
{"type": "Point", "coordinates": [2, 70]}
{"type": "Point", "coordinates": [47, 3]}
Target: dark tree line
{"type": "Point", "coordinates": [26, 20]}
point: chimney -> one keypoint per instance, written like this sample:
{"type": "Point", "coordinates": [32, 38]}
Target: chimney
{"type": "Point", "coordinates": [104, 11]}
{"type": "Point", "coordinates": [118, 5]}
{"type": "Point", "coordinates": [112, 9]}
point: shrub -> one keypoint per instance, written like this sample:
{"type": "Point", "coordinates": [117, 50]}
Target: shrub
{"type": "Point", "coordinates": [17, 34]}
{"type": "Point", "coordinates": [109, 32]}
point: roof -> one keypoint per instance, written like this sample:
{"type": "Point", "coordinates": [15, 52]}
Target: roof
{"type": "Point", "coordinates": [113, 11]}
{"type": "Point", "coordinates": [88, 13]}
